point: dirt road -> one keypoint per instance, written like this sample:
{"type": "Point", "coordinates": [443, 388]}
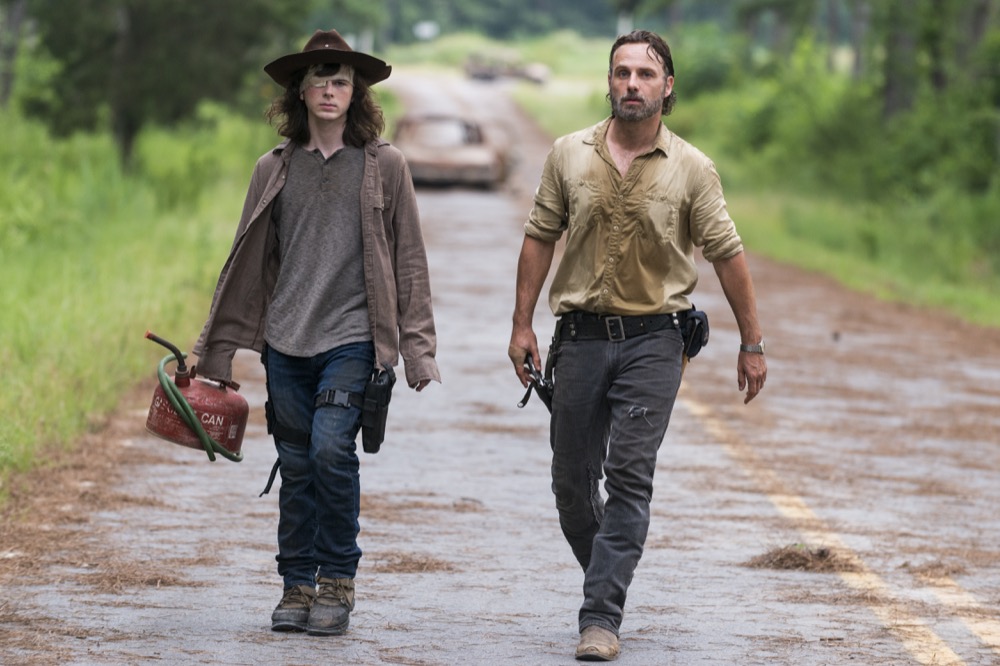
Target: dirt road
{"type": "Point", "coordinates": [848, 515]}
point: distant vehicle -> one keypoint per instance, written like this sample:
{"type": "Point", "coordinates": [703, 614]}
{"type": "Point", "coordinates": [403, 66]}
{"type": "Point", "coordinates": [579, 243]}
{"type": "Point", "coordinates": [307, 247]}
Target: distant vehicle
{"type": "Point", "coordinates": [489, 66]}
{"type": "Point", "coordinates": [443, 149]}
{"type": "Point", "coordinates": [535, 72]}
{"type": "Point", "coordinates": [495, 66]}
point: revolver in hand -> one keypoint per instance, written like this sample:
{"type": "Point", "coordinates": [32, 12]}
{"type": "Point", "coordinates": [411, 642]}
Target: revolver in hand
{"type": "Point", "coordinates": [537, 382]}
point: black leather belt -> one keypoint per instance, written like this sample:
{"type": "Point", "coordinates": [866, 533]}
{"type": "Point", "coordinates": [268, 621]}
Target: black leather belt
{"type": "Point", "coordinates": [578, 325]}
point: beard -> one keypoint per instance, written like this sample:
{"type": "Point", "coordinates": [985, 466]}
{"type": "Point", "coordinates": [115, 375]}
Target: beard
{"type": "Point", "coordinates": [646, 109]}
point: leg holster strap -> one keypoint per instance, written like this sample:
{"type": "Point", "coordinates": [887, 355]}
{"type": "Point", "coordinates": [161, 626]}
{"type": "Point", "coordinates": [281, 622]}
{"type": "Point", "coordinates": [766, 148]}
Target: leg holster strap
{"type": "Point", "coordinates": [285, 434]}
{"type": "Point", "coordinates": [340, 398]}
{"type": "Point", "coordinates": [280, 431]}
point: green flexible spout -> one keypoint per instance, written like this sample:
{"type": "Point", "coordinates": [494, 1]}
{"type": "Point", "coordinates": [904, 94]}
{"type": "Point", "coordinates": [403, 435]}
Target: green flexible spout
{"type": "Point", "coordinates": [186, 412]}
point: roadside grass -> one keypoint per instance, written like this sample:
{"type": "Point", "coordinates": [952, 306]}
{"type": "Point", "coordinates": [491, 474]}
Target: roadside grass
{"type": "Point", "coordinates": [880, 250]}
{"type": "Point", "coordinates": [75, 317]}
{"type": "Point", "coordinates": [564, 105]}
{"type": "Point", "coordinates": [92, 257]}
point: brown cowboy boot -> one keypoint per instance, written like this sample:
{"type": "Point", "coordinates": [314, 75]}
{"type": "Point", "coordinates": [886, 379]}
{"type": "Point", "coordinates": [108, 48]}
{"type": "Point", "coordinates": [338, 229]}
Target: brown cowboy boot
{"type": "Point", "coordinates": [597, 644]}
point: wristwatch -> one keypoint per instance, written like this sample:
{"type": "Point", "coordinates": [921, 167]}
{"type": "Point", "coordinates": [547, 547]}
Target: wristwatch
{"type": "Point", "coordinates": [753, 349]}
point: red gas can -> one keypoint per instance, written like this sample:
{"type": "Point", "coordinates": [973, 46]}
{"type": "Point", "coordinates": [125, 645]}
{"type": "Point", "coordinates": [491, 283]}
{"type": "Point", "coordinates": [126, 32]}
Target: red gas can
{"type": "Point", "coordinates": [221, 412]}
{"type": "Point", "coordinates": [219, 409]}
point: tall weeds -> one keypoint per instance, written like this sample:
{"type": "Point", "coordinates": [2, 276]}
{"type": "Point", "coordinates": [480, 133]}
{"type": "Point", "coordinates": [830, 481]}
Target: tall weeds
{"type": "Point", "coordinates": [90, 257]}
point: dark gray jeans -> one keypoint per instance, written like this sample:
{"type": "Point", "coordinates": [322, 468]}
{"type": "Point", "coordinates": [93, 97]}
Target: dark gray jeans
{"type": "Point", "coordinates": [610, 411]}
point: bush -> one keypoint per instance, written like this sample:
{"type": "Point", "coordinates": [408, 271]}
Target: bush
{"type": "Point", "coordinates": [178, 164]}
{"type": "Point", "coordinates": [89, 261]}
{"type": "Point", "coordinates": [59, 195]}
{"type": "Point", "coordinates": [704, 57]}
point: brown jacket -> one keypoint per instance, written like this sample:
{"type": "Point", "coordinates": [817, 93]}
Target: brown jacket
{"type": "Point", "coordinates": [395, 264]}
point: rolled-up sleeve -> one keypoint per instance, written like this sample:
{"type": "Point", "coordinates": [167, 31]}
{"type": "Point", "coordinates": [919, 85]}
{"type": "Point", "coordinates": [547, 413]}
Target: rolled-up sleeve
{"type": "Point", "coordinates": [548, 217]}
{"type": "Point", "coordinates": [712, 229]}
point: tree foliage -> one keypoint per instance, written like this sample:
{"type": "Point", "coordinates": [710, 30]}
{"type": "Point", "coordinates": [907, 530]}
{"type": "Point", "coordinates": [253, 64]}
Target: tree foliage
{"type": "Point", "coordinates": [132, 62]}
{"type": "Point", "coordinates": [12, 14]}
{"type": "Point", "coordinates": [915, 128]}
{"type": "Point", "coordinates": [499, 19]}
{"type": "Point", "coordinates": [125, 63]}
{"type": "Point", "coordinates": [890, 105]}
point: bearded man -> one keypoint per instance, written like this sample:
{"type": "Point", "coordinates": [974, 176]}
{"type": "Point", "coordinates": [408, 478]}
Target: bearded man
{"type": "Point", "coordinates": [634, 200]}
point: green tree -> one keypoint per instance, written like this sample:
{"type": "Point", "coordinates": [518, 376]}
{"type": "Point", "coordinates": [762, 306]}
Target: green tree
{"type": "Point", "coordinates": [357, 18]}
{"type": "Point", "coordinates": [12, 14]}
{"type": "Point", "coordinates": [783, 21]}
{"type": "Point", "coordinates": [625, 10]}
{"type": "Point", "coordinates": [500, 19]}
{"type": "Point", "coordinates": [927, 47]}
{"type": "Point", "coordinates": [133, 62]}
{"type": "Point", "coordinates": [900, 66]}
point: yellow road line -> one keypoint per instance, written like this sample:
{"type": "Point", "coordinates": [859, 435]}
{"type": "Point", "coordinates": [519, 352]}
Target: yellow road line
{"type": "Point", "coordinates": [919, 640]}
{"type": "Point", "coordinates": [969, 610]}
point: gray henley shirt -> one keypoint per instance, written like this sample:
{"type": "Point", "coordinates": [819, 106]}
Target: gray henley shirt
{"type": "Point", "coordinates": [319, 300]}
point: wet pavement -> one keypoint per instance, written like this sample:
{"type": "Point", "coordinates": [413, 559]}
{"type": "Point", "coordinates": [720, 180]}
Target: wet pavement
{"type": "Point", "coordinates": [876, 438]}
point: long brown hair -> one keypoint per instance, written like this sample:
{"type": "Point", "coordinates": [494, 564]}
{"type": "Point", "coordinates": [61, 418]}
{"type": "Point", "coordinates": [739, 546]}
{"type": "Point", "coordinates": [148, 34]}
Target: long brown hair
{"type": "Point", "coordinates": [364, 117]}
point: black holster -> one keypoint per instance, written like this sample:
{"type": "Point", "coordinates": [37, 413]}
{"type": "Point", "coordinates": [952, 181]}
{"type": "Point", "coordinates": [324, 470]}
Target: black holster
{"type": "Point", "coordinates": [695, 332]}
{"type": "Point", "coordinates": [375, 408]}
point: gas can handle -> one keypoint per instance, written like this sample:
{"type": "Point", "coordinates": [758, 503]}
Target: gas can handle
{"type": "Point", "coordinates": [221, 382]}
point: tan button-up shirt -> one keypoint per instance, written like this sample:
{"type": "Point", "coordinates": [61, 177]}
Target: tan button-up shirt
{"type": "Point", "coordinates": [629, 240]}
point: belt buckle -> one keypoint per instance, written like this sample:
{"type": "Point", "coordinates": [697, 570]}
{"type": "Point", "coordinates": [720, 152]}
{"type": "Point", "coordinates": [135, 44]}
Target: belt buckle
{"type": "Point", "coordinates": [615, 328]}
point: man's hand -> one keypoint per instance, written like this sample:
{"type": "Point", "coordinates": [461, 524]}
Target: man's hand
{"type": "Point", "coordinates": [734, 276]}
{"type": "Point", "coordinates": [532, 267]}
{"type": "Point", "coordinates": [523, 344]}
{"type": "Point", "coordinates": [421, 385]}
{"type": "Point", "coordinates": [751, 372]}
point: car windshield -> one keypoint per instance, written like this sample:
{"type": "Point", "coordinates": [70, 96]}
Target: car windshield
{"type": "Point", "coordinates": [442, 132]}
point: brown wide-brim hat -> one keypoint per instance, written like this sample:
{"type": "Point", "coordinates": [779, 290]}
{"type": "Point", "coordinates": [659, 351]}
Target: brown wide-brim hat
{"type": "Point", "coordinates": [327, 46]}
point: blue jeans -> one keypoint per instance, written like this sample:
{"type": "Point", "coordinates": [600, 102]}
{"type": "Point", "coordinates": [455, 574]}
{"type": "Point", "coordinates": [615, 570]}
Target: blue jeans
{"type": "Point", "coordinates": [610, 411]}
{"type": "Point", "coordinates": [320, 497]}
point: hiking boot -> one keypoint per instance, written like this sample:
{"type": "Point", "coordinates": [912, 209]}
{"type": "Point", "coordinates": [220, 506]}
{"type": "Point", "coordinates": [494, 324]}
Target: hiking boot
{"type": "Point", "coordinates": [331, 612]}
{"type": "Point", "coordinates": [292, 614]}
{"type": "Point", "coordinates": [597, 644]}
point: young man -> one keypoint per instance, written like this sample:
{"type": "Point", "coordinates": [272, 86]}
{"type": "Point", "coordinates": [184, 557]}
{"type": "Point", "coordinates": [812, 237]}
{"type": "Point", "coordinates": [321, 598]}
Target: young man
{"type": "Point", "coordinates": [634, 200]}
{"type": "Point", "coordinates": [327, 278]}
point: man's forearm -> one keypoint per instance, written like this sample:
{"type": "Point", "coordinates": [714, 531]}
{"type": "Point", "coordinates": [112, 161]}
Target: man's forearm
{"type": "Point", "coordinates": [734, 276]}
{"type": "Point", "coordinates": [532, 268]}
